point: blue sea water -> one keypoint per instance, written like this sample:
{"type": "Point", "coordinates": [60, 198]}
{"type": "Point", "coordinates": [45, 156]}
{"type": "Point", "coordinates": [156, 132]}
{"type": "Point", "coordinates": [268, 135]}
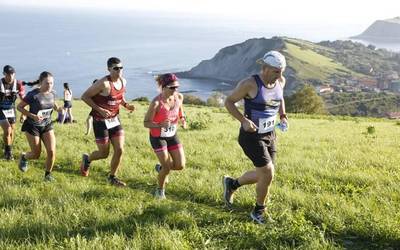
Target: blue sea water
{"type": "Point", "coordinates": [74, 45]}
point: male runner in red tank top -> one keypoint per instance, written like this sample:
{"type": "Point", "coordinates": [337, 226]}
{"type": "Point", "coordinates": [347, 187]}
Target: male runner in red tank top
{"type": "Point", "coordinates": [105, 97]}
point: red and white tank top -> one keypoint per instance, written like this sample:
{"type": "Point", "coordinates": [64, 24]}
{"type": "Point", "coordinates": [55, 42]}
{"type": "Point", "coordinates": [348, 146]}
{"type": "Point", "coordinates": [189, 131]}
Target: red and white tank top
{"type": "Point", "coordinates": [110, 102]}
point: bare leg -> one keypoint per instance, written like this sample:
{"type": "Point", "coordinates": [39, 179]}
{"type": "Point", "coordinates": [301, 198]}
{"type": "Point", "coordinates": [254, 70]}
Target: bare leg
{"type": "Point", "coordinates": [49, 141]}
{"type": "Point", "coordinates": [35, 146]}
{"type": "Point", "coordinates": [118, 146]}
{"type": "Point", "coordinates": [265, 176]}
{"type": "Point", "coordinates": [166, 164]}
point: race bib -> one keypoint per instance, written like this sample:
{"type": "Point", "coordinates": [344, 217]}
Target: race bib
{"type": "Point", "coordinates": [266, 124]}
{"type": "Point", "coordinates": [45, 113]}
{"type": "Point", "coordinates": [9, 113]}
{"type": "Point", "coordinates": [112, 122]}
{"type": "Point", "coordinates": [169, 132]}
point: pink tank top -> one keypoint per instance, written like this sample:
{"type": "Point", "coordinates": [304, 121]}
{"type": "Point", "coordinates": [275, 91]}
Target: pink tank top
{"type": "Point", "coordinates": [163, 114]}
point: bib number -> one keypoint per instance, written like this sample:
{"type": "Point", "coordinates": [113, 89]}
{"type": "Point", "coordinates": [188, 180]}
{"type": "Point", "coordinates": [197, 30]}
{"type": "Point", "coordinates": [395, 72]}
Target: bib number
{"type": "Point", "coordinates": [112, 122]}
{"type": "Point", "coordinates": [9, 113]}
{"type": "Point", "coordinates": [169, 132]}
{"type": "Point", "coordinates": [266, 125]}
{"type": "Point", "coordinates": [45, 113]}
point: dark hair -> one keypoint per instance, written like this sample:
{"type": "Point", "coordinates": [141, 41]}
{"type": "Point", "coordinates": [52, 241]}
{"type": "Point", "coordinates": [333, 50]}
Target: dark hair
{"type": "Point", "coordinates": [66, 86]}
{"type": "Point", "coordinates": [112, 60]}
{"type": "Point", "coordinates": [165, 79]}
{"type": "Point", "coordinates": [42, 76]}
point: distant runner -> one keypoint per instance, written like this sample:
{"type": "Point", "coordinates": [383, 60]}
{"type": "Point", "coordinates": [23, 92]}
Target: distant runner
{"type": "Point", "coordinates": [10, 89]}
{"type": "Point", "coordinates": [67, 110]}
{"type": "Point", "coordinates": [263, 99]}
{"type": "Point", "coordinates": [162, 118]}
{"type": "Point", "coordinates": [38, 126]}
{"type": "Point", "coordinates": [105, 97]}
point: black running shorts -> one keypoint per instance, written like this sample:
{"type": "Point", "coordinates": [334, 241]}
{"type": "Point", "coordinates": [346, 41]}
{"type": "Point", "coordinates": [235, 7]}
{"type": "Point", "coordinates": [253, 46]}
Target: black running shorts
{"type": "Point", "coordinates": [260, 149]}
{"type": "Point", "coordinates": [36, 130]}
{"type": "Point", "coordinates": [102, 134]}
{"type": "Point", "coordinates": [165, 143]}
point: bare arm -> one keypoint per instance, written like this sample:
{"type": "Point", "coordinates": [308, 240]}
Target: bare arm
{"type": "Point", "coordinates": [241, 91]}
{"type": "Point", "coordinates": [182, 116]}
{"type": "Point", "coordinates": [21, 108]}
{"type": "Point", "coordinates": [282, 107]}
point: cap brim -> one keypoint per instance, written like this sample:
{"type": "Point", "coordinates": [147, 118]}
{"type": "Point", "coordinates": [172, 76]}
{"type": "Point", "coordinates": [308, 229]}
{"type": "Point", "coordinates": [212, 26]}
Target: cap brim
{"type": "Point", "coordinates": [260, 61]}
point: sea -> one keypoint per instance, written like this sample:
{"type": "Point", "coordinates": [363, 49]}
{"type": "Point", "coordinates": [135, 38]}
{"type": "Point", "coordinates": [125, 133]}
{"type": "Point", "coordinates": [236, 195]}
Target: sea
{"type": "Point", "coordinates": [74, 45]}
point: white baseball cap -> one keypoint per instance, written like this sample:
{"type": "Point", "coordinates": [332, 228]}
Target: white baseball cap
{"type": "Point", "coordinates": [273, 58]}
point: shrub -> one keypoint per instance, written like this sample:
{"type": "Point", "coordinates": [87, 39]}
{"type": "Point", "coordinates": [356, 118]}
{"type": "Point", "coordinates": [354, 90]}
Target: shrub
{"type": "Point", "coordinates": [141, 99]}
{"type": "Point", "coordinates": [216, 99]}
{"type": "Point", "coordinates": [199, 121]}
{"type": "Point", "coordinates": [191, 99]}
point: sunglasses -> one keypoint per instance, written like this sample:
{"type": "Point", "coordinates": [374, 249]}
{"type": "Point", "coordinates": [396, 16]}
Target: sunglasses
{"type": "Point", "coordinates": [173, 87]}
{"type": "Point", "coordinates": [117, 68]}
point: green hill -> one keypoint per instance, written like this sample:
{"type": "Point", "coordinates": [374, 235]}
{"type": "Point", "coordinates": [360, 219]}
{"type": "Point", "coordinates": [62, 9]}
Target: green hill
{"type": "Point", "coordinates": [336, 186]}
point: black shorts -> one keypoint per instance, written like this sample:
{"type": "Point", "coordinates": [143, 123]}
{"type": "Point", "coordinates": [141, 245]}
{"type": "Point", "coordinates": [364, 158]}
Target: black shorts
{"type": "Point", "coordinates": [67, 104]}
{"type": "Point", "coordinates": [165, 143]}
{"type": "Point", "coordinates": [260, 149]}
{"type": "Point", "coordinates": [10, 120]}
{"type": "Point", "coordinates": [103, 134]}
{"type": "Point", "coordinates": [36, 130]}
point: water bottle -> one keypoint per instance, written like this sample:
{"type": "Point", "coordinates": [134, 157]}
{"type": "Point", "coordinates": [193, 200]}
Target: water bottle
{"type": "Point", "coordinates": [282, 126]}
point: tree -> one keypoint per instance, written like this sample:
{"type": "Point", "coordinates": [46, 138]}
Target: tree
{"type": "Point", "coordinates": [307, 101]}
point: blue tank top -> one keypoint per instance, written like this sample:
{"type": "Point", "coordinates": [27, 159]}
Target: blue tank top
{"type": "Point", "coordinates": [264, 107]}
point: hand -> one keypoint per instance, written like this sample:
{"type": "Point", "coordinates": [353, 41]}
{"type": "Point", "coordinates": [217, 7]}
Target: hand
{"type": "Point", "coordinates": [285, 124]}
{"type": "Point", "coordinates": [165, 124]}
{"type": "Point", "coordinates": [37, 118]}
{"type": "Point", "coordinates": [22, 118]}
{"type": "Point", "coordinates": [130, 107]}
{"type": "Point", "coordinates": [184, 124]}
{"type": "Point", "coordinates": [104, 112]}
{"type": "Point", "coordinates": [249, 125]}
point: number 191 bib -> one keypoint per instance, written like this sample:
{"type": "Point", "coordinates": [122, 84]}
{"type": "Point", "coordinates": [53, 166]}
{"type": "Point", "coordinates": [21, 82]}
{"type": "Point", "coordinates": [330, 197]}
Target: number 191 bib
{"type": "Point", "coordinates": [266, 125]}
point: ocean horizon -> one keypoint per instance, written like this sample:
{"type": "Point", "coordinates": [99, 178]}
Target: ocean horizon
{"type": "Point", "coordinates": [76, 49]}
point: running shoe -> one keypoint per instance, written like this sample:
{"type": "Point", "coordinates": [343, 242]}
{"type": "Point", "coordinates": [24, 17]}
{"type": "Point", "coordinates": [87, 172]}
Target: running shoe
{"type": "Point", "coordinates": [228, 190]}
{"type": "Point", "coordinates": [85, 165]}
{"type": "Point", "coordinates": [49, 178]}
{"type": "Point", "coordinates": [8, 156]}
{"type": "Point", "coordinates": [23, 163]}
{"type": "Point", "coordinates": [116, 182]}
{"type": "Point", "coordinates": [258, 216]}
{"type": "Point", "coordinates": [160, 194]}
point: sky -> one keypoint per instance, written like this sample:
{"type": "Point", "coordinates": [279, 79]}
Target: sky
{"type": "Point", "coordinates": [285, 11]}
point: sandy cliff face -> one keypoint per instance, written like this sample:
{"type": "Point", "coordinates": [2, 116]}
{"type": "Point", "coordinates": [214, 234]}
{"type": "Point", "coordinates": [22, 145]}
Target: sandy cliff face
{"type": "Point", "coordinates": [383, 30]}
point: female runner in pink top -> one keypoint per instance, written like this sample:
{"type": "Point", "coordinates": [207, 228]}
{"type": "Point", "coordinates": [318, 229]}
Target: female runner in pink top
{"type": "Point", "coordinates": [162, 118]}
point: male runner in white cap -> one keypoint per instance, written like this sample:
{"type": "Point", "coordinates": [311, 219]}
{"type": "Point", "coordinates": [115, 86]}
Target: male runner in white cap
{"type": "Point", "coordinates": [263, 100]}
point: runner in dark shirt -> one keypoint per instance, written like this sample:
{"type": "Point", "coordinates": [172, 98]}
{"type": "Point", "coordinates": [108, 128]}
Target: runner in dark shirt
{"type": "Point", "coordinates": [10, 89]}
{"type": "Point", "coordinates": [38, 125]}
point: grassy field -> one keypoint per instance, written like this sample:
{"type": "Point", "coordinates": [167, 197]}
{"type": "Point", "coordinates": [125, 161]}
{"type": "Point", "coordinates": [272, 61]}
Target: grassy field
{"type": "Point", "coordinates": [336, 187]}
